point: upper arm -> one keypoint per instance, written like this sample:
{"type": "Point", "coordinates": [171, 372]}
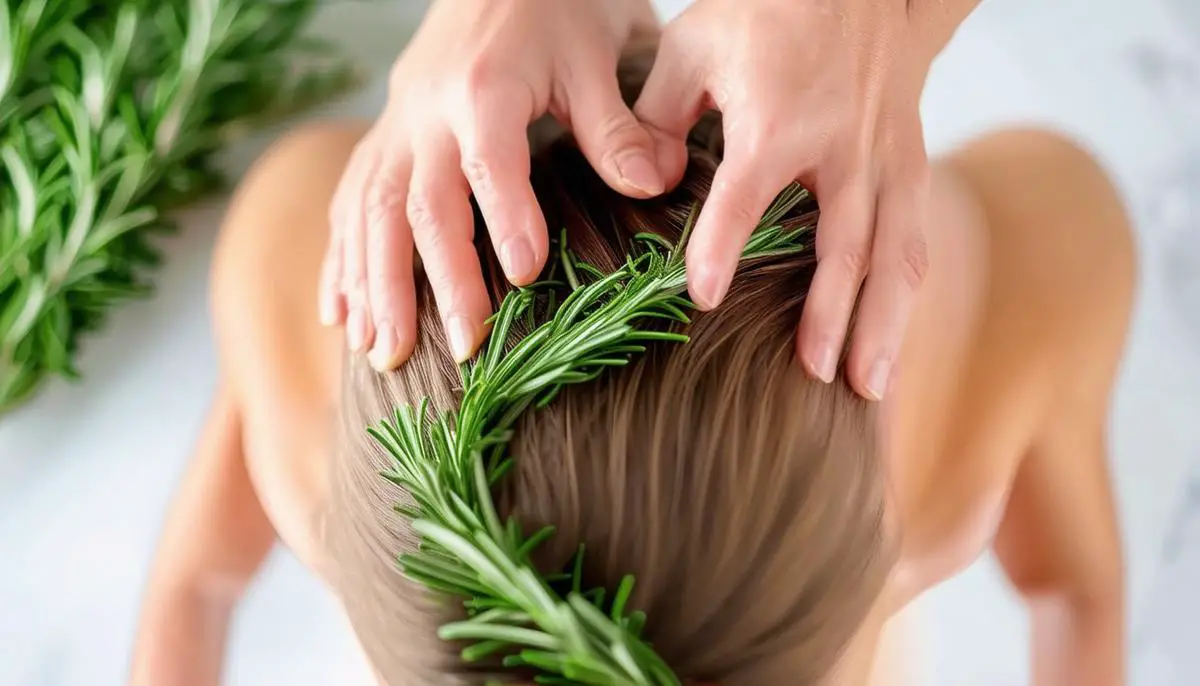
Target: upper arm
{"type": "Point", "coordinates": [1060, 535]}
{"type": "Point", "coordinates": [216, 535]}
{"type": "Point", "coordinates": [215, 539]}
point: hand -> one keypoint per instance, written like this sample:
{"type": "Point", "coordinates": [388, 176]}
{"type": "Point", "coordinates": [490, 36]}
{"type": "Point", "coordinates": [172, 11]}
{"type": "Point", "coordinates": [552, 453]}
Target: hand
{"type": "Point", "coordinates": [460, 100]}
{"type": "Point", "coordinates": [818, 92]}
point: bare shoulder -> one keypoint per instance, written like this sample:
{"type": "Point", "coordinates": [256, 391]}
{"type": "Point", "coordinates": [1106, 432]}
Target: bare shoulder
{"type": "Point", "coordinates": [281, 363]}
{"type": "Point", "coordinates": [1062, 253]}
{"type": "Point", "coordinates": [287, 189]}
{"type": "Point", "coordinates": [1048, 286]}
{"type": "Point", "coordinates": [267, 260]}
{"type": "Point", "coordinates": [1065, 274]}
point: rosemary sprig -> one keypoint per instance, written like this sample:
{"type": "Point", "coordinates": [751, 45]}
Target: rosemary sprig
{"type": "Point", "coordinates": [449, 464]}
{"type": "Point", "coordinates": [110, 114]}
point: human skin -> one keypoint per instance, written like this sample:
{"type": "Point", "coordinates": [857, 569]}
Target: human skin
{"type": "Point", "coordinates": [993, 436]}
{"type": "Point", "coordinates": [476, 74]}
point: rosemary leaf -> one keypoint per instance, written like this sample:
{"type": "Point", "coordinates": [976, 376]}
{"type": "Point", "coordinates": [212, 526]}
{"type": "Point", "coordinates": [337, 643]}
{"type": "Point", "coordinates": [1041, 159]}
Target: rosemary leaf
{"type": "Point", "coordinates": [570, 638]}
{"type": "Point", "coordinates": [110, 115]}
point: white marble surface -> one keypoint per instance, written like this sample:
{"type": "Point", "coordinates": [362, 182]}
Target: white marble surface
{"type": "Point", "coordinates": [86, 471]}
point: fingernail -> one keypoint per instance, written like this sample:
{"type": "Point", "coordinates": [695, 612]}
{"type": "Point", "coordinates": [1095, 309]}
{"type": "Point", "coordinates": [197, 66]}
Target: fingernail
{"type": "Point", "coordinates": [462, 338]}
{"type": "Point", "coordinates": [356, 330]}
{"type": "Point", "coordinates": [877, 378]}
{"type": "Point", "coordinates": [825, 363]}
{"type": "Point", "coordinates": [383, 353]}
{"type": "Point", "coordinates": [708, 288]}
{"type": "Point", "coordinates": [638, 171]}
{"type": "Point", "coordinates": [516, 256]}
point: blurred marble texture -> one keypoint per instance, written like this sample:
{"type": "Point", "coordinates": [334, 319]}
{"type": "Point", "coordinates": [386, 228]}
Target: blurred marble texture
{"type": "Point", "coordinates": [1172, 202]}
{"type": "Point", "coordinates": [86, 471]}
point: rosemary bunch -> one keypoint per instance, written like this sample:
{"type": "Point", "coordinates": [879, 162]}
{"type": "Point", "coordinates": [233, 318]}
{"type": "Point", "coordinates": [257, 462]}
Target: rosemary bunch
{"type": "Point", "coordinates": [110, 112]}
{"type": "Point", "coordinates": [448, 464]}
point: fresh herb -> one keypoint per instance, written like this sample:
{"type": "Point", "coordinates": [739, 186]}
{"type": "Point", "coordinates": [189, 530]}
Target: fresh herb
{"type": "Point", "coordinates": [110, 113]}
{"type": "Point", "coordinates": [448, 465]}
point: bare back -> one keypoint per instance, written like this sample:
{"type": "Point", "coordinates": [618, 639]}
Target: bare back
{"type": "Point", "coordinates": [1029, 300]}
{"type": "Point", "coordinates": [284, 367]}
{"type": "Point", "coordinates": [1022, 316]}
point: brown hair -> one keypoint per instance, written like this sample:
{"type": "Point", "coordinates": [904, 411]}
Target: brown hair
{"type": "Point", "coordinates": [746, 499]}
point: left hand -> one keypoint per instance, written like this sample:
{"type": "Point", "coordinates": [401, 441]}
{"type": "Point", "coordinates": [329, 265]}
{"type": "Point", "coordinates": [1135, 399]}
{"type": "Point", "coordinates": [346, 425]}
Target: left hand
{"type": "Point", "coordinates": [821, 92]}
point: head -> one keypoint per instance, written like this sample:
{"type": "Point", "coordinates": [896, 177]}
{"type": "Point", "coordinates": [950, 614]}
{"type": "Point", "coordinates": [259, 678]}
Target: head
{"type": "Point", "coordinates": [746, 499]}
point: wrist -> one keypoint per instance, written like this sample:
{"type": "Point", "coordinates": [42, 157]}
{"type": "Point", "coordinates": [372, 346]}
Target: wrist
{"type": "Point", "coordinates": [931, 26]}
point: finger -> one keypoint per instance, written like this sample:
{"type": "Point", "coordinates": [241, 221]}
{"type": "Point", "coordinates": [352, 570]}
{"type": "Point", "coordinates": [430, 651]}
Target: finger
{"type": "Point", "coordinates": [330, 303]}
{"type": "Point", "coordinates": [359, 331]}
{"type": "Point", "coordinates": [495, 160]}
{"type": "Point", "coordinates": [899, 261]}
{"type": "Point", "coordinates": [389, 262]}
{"type": "Point", "coordinates": [443, 228]}
{"type": "Point", "coordinates": [614, 141]}
{"type": "Point", "coordinates": [743, 187]}
{"type": "Point", "coordinates": [843, 251]}
{"type": "Point", "coordinates": [671, 103]}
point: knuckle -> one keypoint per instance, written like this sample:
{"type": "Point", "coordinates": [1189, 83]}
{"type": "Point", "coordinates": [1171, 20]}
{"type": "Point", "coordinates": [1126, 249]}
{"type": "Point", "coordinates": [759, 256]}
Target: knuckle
{"type": "Point", "coordinates": [854, 263]}
{"type": "Point", "coordinates": [767, 142]}
{"type": "Point", "coordinates": [739, 200]}
{"type": "Point", "coordinates": [422, 216]}
{"type": "Point", "coordinates": [772, 129]}
{"type": "Point", "coordinates": [449, 294]}
{"type": "Point", "coordinates": [842, 153]}
{"type": "Point", "coordinates": [740, 210]}
{"type": "Point", "coordinates": [478, 170]}
{"type": "Point", "coordinates": [618, 126]}
{"type": "Point", "coordinates": [479, 77]}
{"type": "Point", "coordinates": [914, 261]}
{"type": "Point", "coordinates": [382, 201]}
{"type": "Point", "coordinates": [756, 141]}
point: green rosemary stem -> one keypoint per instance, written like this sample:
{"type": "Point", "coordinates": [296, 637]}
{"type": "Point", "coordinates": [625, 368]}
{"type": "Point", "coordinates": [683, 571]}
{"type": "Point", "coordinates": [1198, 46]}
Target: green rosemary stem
{"type": "Point", "coordinates": [110, 115]}
{"type": "Point", "coordinates": [566, 634]}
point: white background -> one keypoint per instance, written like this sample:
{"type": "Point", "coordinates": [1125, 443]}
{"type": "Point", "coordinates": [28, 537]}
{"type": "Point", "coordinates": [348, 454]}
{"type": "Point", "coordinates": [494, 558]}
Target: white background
{"type": "Point", "coordinates": [87, 470]}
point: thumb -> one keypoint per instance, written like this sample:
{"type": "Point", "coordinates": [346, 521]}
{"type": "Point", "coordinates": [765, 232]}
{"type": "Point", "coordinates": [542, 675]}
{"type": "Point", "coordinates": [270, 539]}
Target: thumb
{"type": "Point", "coordinates": [613, 140]}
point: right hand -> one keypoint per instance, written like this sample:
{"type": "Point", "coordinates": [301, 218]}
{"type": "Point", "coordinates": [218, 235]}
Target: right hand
{"type": "Point", "coordinates": [460, 99]}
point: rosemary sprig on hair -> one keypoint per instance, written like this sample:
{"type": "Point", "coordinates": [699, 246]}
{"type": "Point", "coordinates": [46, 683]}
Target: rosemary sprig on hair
{"type": "Point", "coordinates": [449, 463]}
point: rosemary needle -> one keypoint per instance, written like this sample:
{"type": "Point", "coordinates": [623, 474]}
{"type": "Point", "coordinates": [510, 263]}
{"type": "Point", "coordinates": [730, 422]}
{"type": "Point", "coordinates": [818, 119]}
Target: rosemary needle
{"type": "Point", "coordinates": [110, 114]}
{"type": "Point", "coordinates": [465, 550]}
